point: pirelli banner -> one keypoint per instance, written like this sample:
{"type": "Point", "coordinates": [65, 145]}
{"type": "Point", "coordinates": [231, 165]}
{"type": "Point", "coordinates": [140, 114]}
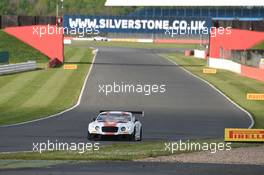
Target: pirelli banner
{"type": "Point", "coordinates": [244, 135]}
{"type": "Point", "coordinates": [115, 24]}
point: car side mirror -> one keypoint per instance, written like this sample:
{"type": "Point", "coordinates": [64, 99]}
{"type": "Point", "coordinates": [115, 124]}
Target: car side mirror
{"type": "Point", "coordinates": [136, 120]}
{"type": "Point", "coordinates": [93, 119]}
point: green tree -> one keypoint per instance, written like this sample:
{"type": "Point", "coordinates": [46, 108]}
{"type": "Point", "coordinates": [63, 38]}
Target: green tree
{"type": "Point", "coordinates": [48, 7]}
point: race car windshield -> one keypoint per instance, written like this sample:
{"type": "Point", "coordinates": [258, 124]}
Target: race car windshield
{"type": "Point", "coordinates": [121, 118]}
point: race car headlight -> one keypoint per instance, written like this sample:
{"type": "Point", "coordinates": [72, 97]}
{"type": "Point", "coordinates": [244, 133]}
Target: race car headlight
{"type": "Point", "coordinates": [123, 128]}
{"type": "Point", "coordinates": [97, 128]}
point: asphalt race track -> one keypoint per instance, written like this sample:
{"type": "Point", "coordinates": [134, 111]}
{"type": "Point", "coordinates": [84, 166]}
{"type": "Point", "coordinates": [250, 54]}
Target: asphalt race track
{"type": "Point", "coordinates": [188, 109]}
{"type": "Point", "coordinates": [139, 168]}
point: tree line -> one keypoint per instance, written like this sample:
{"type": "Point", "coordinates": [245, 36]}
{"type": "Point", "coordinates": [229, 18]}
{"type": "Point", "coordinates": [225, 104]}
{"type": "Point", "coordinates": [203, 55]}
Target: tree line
{"type": "Point", "coordinates": [48, 7]}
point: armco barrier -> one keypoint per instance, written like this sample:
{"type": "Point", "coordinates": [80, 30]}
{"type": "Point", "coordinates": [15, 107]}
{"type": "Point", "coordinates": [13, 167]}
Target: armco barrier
{"type": "Point", "coordinates": [224, 64]}
{"type": "Point", "coordinates": [246, 71]}
{"type": "Point", "coordinates": [19, 67]}
{"type": "Point", "coordinates": [82, 39]}
{"type": "Point", "coordinates": [179, 41]}
{"type": "Point", "coordinates": [188, 53]}
{"type": "Point", "coordinates": [145, 40]}
{"type": "Point", "coordinates": [200, 54]}
{"type": "Point", "coordinates": [67, 40]}
{"type": "Point", "coordinates": [124, 39]}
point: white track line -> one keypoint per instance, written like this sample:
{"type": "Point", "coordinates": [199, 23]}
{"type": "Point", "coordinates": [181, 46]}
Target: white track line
{"type": "Point", "coordinates": [219, 91]}
{"type": "Point", "coordinates": [66, 110]}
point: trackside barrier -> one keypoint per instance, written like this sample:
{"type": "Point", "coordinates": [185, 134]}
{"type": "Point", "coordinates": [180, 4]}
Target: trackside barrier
{"type": "Point", "coordinates": [19, 67]}
{"type": "Point", "coordinates": [224, 64]}
{"type": "Point", "coordinates": [82, 39]}
{"type": "Point", "coordinates": [67, 40]}
{"type": "Point", "coordinates": [142, 40]}
{"type": "Point", "coordinates": [180, 41]}
{"type": "Point", "coordinates": [188, 53]}
{"type": "Point", "coordinates": [124, 39]}
{"type": "Point", "coordinates": [200, 54]}
{"type": "Point", "coordinates": [250, 72]}
{"type": "Point", "coordinates": [145, 40]}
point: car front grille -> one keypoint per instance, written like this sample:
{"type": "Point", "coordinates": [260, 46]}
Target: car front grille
{"type": "Point", "coordinates": [109, 129]}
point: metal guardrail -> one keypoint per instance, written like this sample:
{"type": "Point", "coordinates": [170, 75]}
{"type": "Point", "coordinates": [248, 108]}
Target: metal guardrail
{"type": "Point", "coordinates": [19, 67]}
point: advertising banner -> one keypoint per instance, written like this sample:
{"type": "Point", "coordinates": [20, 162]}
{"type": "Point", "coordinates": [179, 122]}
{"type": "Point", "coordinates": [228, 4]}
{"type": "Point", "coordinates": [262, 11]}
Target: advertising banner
{"type": "Point", "coordinates": [116, 24]}
{"type": "Point", "coordinates": [244, 135]}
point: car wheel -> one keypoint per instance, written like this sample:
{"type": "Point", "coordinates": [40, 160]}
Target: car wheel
{"type": "Point", "coordinates": [140, 137]}
{"type": "Point", "coordinates": [89, 136]}
{"type": "Point", "coordinates": [133, 135]}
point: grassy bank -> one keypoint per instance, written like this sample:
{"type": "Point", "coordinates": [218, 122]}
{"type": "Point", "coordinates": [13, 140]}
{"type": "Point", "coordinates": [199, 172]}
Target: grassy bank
{"type": "Point", "coordinates": [14, 164]}
{"type": "Point", "coordinates": [19, 51]}
{"type": "Point", "coordinates": [117, 152]}
{"type": "Point", "coordinates": [233, 85]}
{"type": "Point", "coordinates": [31, 95]}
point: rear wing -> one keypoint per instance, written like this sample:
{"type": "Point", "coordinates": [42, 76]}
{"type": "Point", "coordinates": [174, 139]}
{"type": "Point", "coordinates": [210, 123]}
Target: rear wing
{"type": "Point", "coordinates": [142, 113]}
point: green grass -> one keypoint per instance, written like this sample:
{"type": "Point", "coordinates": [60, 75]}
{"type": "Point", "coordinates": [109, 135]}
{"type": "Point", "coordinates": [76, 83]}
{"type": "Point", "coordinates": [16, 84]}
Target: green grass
{"type": "Point", "coordinates": [24, 97]}
{"type": "Point", "coordinates": [119, 151]}
{"type": "Point", "coordinates": [19, 51]}
{"type": "Point", "coordinates": [14, 164]}
{"type": "Point", "coordinates": [233, 85]}
{"type": "Point", "coordinates": [259, 46]}
{"type": "Point", "coordinates": [135, 45]}
{"type": "Point", "coordinates": [116, 152]}
{"type": "Point", "coordinates": [36, 94]}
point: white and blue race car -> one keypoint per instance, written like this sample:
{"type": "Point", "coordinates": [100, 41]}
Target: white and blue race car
{"type": "Point", "coordinates": [122, 124]}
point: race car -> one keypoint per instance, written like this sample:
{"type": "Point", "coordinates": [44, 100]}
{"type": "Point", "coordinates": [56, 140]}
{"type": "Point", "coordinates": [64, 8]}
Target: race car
{"type": "Point", "coordinates": [122, 124]}
{"type": "Point", "coordinates": [100, 38]}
